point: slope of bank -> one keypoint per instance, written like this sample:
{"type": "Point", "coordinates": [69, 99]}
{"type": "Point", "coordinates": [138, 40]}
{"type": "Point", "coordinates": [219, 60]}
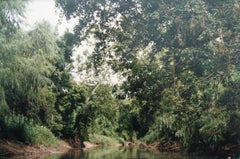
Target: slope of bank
{"type": "Point", "coordinates": [12, 148]}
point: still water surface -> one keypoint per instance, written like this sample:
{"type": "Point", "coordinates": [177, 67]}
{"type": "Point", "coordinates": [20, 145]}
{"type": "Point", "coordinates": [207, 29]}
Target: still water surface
{"type": "Point", "coordinates": [121, 153]}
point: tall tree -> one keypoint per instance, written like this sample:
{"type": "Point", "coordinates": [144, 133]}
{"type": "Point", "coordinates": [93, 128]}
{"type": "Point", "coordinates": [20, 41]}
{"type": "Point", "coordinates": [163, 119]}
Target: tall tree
{"type": "Point", "coordinates": [10, 15]}
{"type": "Point", "coordinates": [26, 65]}
{"type": "Point", "coordinates": [178, 57]}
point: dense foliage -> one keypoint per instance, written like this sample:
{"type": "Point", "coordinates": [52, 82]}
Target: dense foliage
{"type": "Point", "coordinates": [181, 63]}
{"type": "Point", "coordinates": [179, 59]}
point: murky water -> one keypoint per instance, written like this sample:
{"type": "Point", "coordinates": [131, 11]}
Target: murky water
{"type": "Point", "coordinates": [121, 153]}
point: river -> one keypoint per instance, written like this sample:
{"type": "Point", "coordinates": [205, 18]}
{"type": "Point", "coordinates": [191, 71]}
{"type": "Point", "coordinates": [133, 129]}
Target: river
{"type": "Point", "coordinates": [121, 153]}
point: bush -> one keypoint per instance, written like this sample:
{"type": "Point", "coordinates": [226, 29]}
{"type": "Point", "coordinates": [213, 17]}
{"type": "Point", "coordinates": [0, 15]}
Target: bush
{"type": "Point", "coordinates": [101, 139]}
{"type": "Point", "coordinates": [39, 135]}
{"type": "Point", "coordinates": [12, 127]}
{"type": "Point", "coordinates": [21, 129]}
{"type": "Point", "coordinates": [150, 137]}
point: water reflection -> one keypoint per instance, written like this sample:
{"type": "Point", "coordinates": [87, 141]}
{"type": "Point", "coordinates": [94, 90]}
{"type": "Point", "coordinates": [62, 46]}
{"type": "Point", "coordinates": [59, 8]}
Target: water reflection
{"type": "Point", "coordinates": [121, 153]}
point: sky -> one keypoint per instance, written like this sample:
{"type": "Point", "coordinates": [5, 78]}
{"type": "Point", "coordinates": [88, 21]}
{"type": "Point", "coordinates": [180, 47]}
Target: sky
{"type": "Point", "coordinates": [39, 10]}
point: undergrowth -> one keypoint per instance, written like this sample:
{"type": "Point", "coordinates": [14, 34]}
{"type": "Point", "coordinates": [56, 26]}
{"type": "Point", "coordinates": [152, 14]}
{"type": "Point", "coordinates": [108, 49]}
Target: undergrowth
{"type": "Point", "coordinates": [21, 129]}
{"type": "Point", "coordinates": [103, 140]}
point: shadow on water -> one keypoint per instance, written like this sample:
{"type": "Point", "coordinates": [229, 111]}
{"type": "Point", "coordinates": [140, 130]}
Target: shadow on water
{"type": "Point", "coordinates": [121, 153]}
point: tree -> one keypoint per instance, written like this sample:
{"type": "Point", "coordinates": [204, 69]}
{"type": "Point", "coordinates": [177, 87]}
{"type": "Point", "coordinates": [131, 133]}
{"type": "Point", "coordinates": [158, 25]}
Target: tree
{"type": "Point", "coordinates": [10, 15]}
{"type": "Point", "coordinates": [26, 69]}
{"type": "Point", "coordinates": [106, 109]}
{"type": "Point", "coordinates": [178, 58]}
{"type": "Point", "coordinates": [71, 103]}
{"type": "Point", "coordinates": [27, 99]}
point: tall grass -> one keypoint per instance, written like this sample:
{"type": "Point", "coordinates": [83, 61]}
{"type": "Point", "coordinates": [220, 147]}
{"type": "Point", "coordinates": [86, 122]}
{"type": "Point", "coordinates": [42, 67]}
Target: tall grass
{"type": "Point", "coordinates": [21, 129]}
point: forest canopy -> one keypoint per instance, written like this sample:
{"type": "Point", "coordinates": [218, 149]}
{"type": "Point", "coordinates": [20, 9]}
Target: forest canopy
{"type": "Point", "coordinates": [179, 59]}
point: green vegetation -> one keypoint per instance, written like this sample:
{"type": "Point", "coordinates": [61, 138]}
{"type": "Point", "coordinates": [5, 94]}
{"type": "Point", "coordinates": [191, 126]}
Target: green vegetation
{"type": "Point", "coordinates": [21, 129]}
{"type": "Point", "coordinates": [103, 140]}
{"type": "Point", "coordinates": [179, 59]}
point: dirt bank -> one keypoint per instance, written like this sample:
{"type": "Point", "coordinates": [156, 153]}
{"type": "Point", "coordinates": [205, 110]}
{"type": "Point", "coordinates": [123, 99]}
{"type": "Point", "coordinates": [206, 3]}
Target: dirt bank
{"type": "Point", "coordinates": [13, 148]}
{"type": "Point", "coordinates": [163, 146]}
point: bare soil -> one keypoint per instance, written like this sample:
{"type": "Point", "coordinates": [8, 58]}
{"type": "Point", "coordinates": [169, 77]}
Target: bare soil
{"type": "Point", "coordinates": [16, 148]}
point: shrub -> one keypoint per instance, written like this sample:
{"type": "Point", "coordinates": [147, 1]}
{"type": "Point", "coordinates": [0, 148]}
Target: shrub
{"type": "Point", "coordinates": [20, 128]}
{"type": "Point", "coordinates": [39, 135]}
{"type": "Point", "coordinates": [12, 127]}
{"type": "Point", "coordinates": [101, 139]}
{"type": "Point", "coordinates": [150, 137]}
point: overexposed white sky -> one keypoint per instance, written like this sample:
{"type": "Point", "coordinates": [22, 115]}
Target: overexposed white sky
{"type": "Point", "coordinates": [39, 10]}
